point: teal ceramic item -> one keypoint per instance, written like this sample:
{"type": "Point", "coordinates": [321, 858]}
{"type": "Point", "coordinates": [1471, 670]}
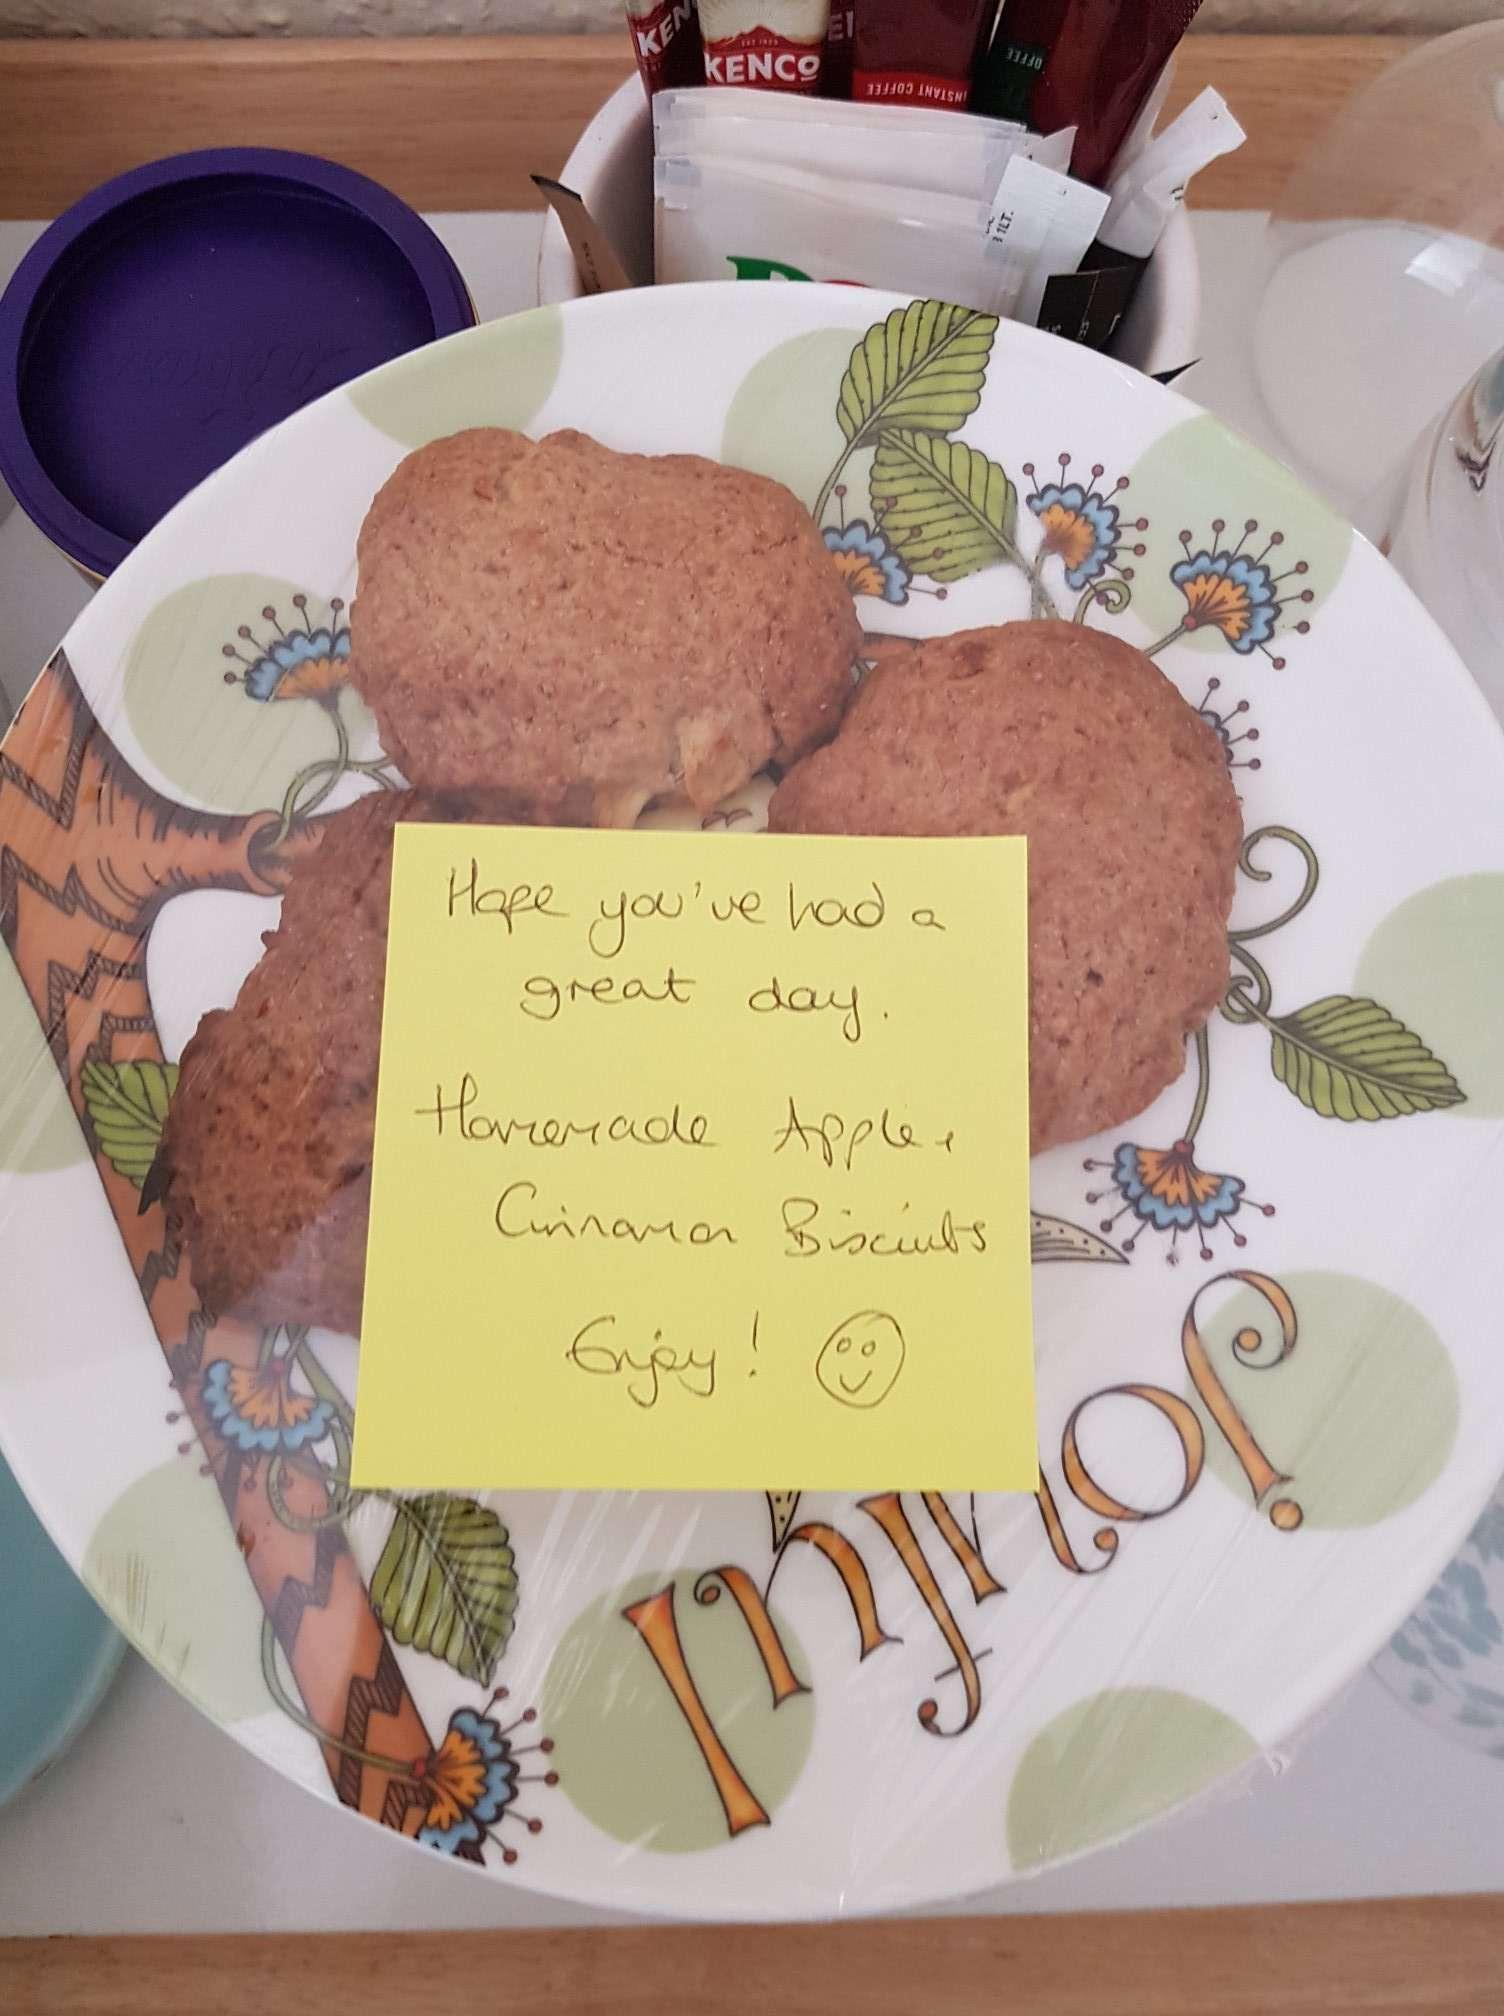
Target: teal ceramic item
{"type": "Point", "coordinates": [61, 1651]}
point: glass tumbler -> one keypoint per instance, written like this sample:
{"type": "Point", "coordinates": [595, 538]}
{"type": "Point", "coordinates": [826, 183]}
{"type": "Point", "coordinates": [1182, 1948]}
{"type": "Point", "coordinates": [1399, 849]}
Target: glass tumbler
{"type": "Point", "coordinates": [1440, 519]}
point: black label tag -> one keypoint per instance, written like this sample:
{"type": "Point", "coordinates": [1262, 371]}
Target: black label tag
{"type": "Point", "coordinates": [1087, 307]}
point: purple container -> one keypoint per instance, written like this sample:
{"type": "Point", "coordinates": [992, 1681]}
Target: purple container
{"type": "Point", "coordinates": [182, 309]}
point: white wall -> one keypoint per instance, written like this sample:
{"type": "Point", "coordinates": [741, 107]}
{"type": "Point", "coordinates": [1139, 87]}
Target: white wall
{"type": "Point", "coordinates": [416, 17]}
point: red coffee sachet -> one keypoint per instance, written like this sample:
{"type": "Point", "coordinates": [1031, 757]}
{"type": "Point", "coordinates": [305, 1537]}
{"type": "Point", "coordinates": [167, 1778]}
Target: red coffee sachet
{"type": "Point", "coordinates": [666, 39]}
{"type": "Point", "coordinates": [918, 52]}
{"type": "Point", "coordinates": [1083, 63]}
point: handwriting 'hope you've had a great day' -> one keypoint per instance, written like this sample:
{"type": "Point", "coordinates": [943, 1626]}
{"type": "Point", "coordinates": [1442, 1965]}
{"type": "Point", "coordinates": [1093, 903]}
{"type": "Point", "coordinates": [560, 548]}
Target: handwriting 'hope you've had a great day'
{"type": "Point", "coordinates": [700, 1165]}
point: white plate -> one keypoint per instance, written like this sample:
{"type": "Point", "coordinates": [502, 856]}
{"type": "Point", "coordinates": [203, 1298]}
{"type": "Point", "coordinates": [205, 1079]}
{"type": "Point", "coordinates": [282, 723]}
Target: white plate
{"type": "Point", "coordinates": [1257, 1455]}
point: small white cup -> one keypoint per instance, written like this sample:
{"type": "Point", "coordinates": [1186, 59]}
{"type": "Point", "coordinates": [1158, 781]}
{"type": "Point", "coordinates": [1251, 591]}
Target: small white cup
{"type": "Point", "coordinates": [611, 170]}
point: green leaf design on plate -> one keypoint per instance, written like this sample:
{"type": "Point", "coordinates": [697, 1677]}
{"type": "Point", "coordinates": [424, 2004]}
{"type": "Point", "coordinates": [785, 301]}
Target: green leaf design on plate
{"type": "Point", "coordinates": [923, 367]}
{"type": "Point", "coordinates": [127, 1105]}
{"type": "Point", "coordinates": [1058, 1239]}
{"type": "Point", "coordinates": [1351, 1059]}
{"type": "Point", "coordinates": [446, 1582]}
{"type": "Point", "coordinates": [782, 1506]}
{"type": "Point", "coordinates": [949, 510]}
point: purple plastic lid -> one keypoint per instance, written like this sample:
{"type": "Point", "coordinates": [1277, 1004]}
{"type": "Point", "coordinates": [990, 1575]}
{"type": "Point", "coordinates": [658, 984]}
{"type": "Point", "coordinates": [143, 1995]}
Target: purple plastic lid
{"type": "Point", "coordinates": [180, 310]}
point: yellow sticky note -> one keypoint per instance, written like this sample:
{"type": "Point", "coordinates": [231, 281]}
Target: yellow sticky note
{"type": "Point", "coordinates": [700, 1165]}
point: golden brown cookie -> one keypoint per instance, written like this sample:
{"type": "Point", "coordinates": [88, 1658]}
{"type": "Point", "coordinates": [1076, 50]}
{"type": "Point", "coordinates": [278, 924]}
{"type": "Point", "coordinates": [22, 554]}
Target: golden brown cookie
{"type": "Point", "coordinates": [587, 631]}
{"type": "Point", "coordinates": [266, 1156]}
{"type": "Point", "coordinates": [1080, 742]}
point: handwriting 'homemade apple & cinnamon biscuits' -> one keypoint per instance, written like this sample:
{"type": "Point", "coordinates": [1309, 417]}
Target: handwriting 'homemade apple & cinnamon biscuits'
{"type": "Point", "coordinates": [588, 631]}
{"type": "Point", "coordinates": [1073, 738]}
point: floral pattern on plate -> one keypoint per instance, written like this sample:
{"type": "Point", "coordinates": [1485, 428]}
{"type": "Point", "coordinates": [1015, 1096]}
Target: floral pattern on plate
{"type": "Point", "coordinates": [712, 1681]}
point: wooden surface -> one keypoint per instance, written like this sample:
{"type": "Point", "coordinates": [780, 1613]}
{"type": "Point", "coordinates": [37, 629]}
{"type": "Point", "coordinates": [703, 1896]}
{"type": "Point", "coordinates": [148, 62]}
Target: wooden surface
{"type": "Point", "coordinates": [1414, 1957]}
{"type": "Point", "coordinates": [460, 123]}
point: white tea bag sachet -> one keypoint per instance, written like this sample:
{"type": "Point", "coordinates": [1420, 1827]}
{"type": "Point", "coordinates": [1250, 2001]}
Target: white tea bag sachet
{"type": "Point", "coordinates": [931, 161]}
{"type": "Point", "coordinates": [759, 185]}
{"type": "Point", "coordinates": [952, 153]}
{"type": "Point", "coordinates": [1042, 222]}
{"type": "Point", "coordinates": [727, 220]}
{"type": "Point", "coordinates": [1147, 191]}
{"type": "Point", "coordinates": [714, 106]}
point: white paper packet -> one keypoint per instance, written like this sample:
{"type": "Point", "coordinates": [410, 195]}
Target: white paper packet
{"type": "Point", "coordinates": [835, 136]}
{"type": "Point", "coordinates": [1042, 222]}
{"type": "Point", "coordinates": [721, 219]}
{"type": "Point", "coordinates": [1148, 191]}
{"type": "Point", "coordinates": [729, 103]}
{"type": "Point", "coordinates": [920, 160]}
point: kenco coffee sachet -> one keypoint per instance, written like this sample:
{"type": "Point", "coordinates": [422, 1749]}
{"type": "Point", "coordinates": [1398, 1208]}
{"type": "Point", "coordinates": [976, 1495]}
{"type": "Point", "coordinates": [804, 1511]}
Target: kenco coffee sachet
{"type": "Point", "coordinates": [771, 45]}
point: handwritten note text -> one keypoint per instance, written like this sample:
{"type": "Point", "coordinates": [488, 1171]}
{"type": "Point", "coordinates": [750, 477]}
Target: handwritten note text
{"type": "Point", "coordinates": [700, 1165]}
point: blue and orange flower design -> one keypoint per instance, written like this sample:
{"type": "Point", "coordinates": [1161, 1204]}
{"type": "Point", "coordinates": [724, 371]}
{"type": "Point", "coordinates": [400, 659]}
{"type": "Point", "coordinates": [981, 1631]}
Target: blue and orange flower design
{"type": "Point", "coordinates": [1230, 593]}
{"type": "Point", "coordinates": [470, 1781]}
{"type": "Point", "coordinates": [1225, 724]}
{"type": "Point", "coordinates": [1082, 526]}
{"type": "Point", "coordinates": [1167, 1192]}
{"type": "Point", "coordinates": [867, 563]}
{"type": "Point", "coordinates": [307, 663]}
{"type": "Point", "coordinates": [259, 1411]}
{"type": "Point", "coordinates": [1234, 592]}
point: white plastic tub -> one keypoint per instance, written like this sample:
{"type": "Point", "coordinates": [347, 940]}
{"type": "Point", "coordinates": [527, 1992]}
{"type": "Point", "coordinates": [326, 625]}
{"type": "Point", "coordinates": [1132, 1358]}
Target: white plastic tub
{"type": "Point", "coordinates": [611, 169]}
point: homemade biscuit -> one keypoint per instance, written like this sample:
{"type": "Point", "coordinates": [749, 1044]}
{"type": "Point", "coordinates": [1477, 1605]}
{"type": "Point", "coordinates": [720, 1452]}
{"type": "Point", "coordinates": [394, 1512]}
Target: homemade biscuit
{"type": "Point", "coordinates": [265, 1162]}
{"type": "Point", "coordinates": [1080, 742]}
{"type": "Point", "coordinates": [587, 631]}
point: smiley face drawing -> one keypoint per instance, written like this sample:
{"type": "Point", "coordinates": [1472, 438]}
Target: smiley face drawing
{"type": "Point", "coordinates": [861, 1359]}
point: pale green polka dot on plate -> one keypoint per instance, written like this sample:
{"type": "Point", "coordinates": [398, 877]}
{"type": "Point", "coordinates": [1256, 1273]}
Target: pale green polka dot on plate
{"type": "Point", "coordinates": [38, 1129]}
{"type": "Point", "coordinates": [625, 1754]}
{"type": "Point", "coordinates": [1198, 472]}
{"type": "Point", "coordinates": [1361, 1415]}
{"type": "Point", "coordinates": [495, 376]}
{"type": "Point", "coordinates": [164, 1563]}
{"type": "Point", "coordinates": [782, 418]}
{"type": "Point", "coordinates": [1112, 1762]}
{"type": "Point", "coordinates": [211, 739]}
{"type": "Point", "coordinates": [1437, 962]}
